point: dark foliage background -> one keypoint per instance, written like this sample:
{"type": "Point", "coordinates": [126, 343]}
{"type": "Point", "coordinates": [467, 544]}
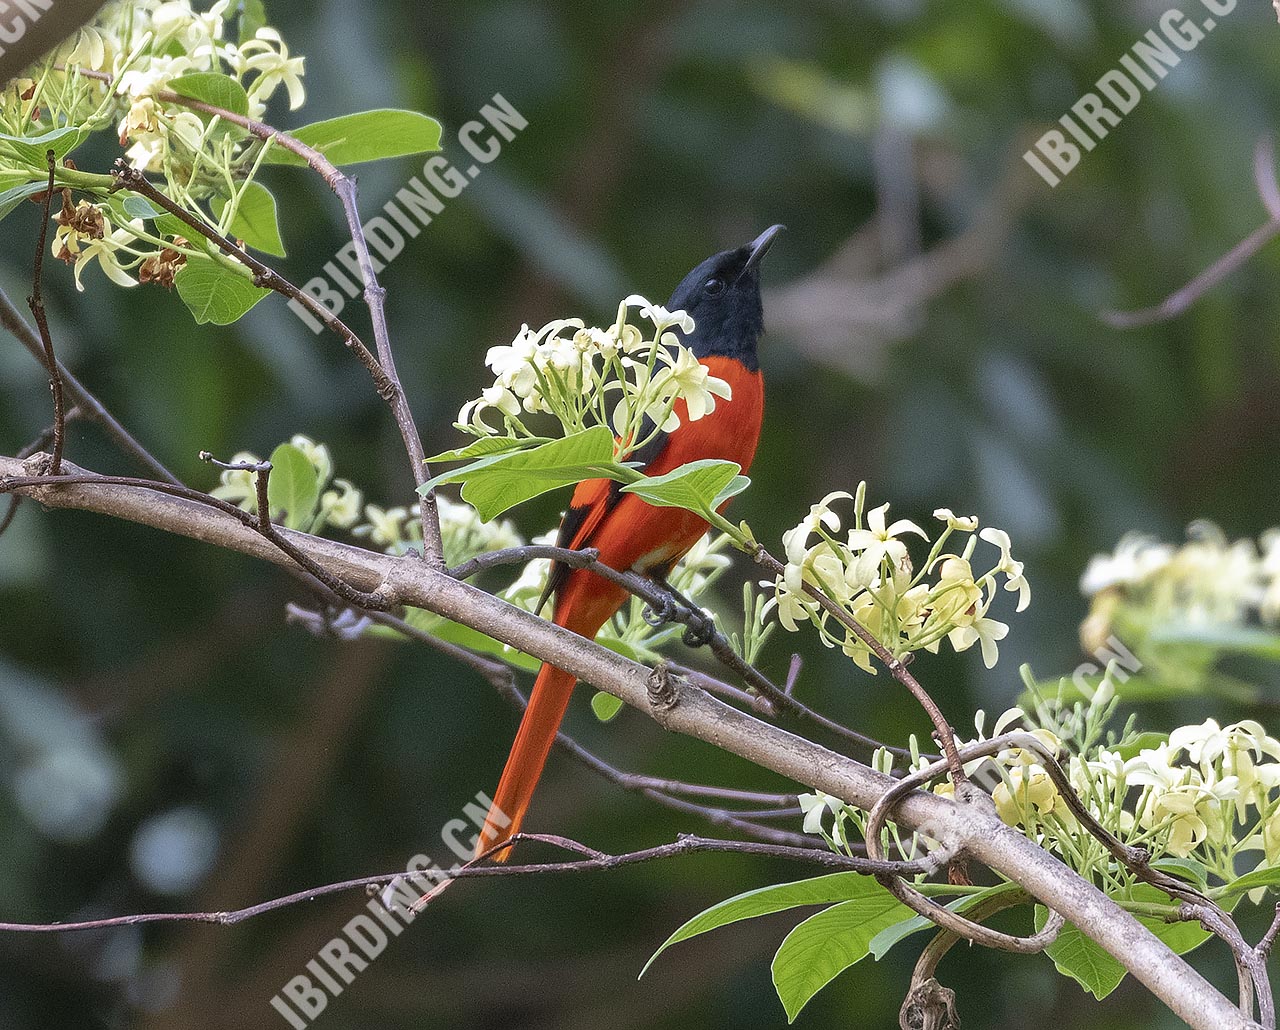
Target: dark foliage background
{"type": "Point", "coordinates": [169, 743]}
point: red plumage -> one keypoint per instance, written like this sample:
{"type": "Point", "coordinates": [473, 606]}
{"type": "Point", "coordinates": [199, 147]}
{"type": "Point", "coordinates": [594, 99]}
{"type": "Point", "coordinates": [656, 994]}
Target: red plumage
{"type": "Point", "coordinates": [629, 534]}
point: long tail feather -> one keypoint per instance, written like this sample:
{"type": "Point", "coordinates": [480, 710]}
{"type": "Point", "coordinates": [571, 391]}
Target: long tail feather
{"type": "Point", "coordinates": [538, 729]}
{"type": "Point", "coordinates": [585, 603]}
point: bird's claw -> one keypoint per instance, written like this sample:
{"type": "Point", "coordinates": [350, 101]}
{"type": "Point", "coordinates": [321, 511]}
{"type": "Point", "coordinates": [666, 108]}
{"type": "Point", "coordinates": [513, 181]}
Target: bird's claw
{"type": "Point", "coordinates": [662, 614]}
{"type": "Point", "coordinates": [701, 629]}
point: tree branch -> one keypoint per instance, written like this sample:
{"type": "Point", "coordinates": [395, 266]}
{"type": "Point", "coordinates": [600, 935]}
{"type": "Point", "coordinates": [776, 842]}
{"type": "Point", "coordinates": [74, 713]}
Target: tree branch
{"type": "Point", "coordinates": [90, 406]}
{"type": "Point", "coordinates": [682, 708]}
{"type": "Point", "coordinates": [344, 188]}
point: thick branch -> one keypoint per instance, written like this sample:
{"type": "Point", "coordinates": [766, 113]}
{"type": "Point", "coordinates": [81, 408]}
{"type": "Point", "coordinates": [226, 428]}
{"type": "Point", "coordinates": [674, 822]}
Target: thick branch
{"type": "Point", "coordinates": [681, 708]}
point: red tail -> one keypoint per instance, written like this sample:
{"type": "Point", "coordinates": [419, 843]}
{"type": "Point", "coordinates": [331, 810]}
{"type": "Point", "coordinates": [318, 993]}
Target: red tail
{"type": "Point", "coordinates": [586, 602]}
{"type": "Point", "coordinates": [533, 742]}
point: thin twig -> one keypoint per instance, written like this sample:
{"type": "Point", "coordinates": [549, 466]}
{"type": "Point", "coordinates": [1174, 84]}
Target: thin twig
{"type": "Point", "coordinates": [593, 861]}
{"type": "Point", "coordinates": [344, 187]}
{"type": "Point", "coordinates": [12, 320]}
{"type": "Point", "coordinates": [1178, 302]}
{"type": "Point", "coordinates": [1269, 938]}
{"type": "Point", "coordinates": [943, 732]}
{"type": "Point", "coordinates": [36, 303]}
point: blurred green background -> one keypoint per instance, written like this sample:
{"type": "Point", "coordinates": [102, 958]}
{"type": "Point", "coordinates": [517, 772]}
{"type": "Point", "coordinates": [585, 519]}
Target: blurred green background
{"type": "Point", "coordinates": [168, 742]}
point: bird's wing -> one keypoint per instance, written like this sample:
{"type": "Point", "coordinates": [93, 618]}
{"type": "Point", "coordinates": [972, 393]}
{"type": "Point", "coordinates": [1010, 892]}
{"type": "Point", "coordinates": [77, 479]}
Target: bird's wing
{"type": "Point", "coordinates": [592, 501]}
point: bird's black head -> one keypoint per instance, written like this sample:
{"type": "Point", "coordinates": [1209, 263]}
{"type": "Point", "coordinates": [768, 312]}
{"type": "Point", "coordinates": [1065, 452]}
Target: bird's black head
{"type": "Point", "coordinates": [723, 297]}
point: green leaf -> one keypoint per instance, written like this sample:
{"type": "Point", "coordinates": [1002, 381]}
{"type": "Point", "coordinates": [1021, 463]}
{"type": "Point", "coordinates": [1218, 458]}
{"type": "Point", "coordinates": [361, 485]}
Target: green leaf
{"type": "Point", "coordinates": [818, 890]}
{"type": "Point", "coordinates": [213, 89]}
{"type": "Point", "coordinates": [14, 196]}
{"type": "Point", "coordinates": [697, 486]}
{"type": "Point", "coordinates": [1268, 876]}
{"type": "Point", "coordinates": [828, 943]}
{"type": "Point", "coordinates": [255, 221]}
{"type": "Point", "coordinates": [1142, 742]}
{"type": "Point", "coordinates": [214, 292]}
{"type": "Point", "coordinates": [172, 225]}
{"type": "Point", "coordinates": [736, 485]}
{"type": "Point", "coordinates": [367, 136]}
{"type": "Point", "coordinates": [605, 706]}
{"type": "Point", "coordinates": [139, 207]}
{"type": "Point", "coordinates": [455, 633]}
{"type": "Point", "coordinates": [1185, 868]}
{"type": "Point", "coordinates": [1250, 640]}
{"type": "Point", "coordinates": [498, 482]}
{"type": "Point", "coordinates": [35, 148]}
{"type": "Point", "coordinates": [253, 16]}
{"type": "Point", "coordinates": [294, 487]}
{"type": "Point", "coordinates": [1078, 957]}
{"type": "Point", "coordinates": [486, 445]}
{"type": "Point", "coordinates": [887, 938]}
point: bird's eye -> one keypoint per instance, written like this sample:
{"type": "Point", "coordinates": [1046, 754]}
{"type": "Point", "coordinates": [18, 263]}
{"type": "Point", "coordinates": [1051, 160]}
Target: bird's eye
{"type": "Point", "coordinates": [713, 287]}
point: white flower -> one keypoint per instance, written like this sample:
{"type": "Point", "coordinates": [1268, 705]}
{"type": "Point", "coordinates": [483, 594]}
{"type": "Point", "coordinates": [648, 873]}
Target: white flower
{"type": "Point", "coordinates": [238, 485]}
{"type": "Point", "coordinates": [660, 316]}
{"type": "Point", "coordinates": [965, 523]}
{"type": "Point", "coordinates": [317, 454]}
{"type": "Point", "coordinates": [982, 631]}
{"type": "Point", "coordinates": [800, 555]}
{"type": "Point", "coordinates": [79, 249]}
{"type": "Point", "coordinates": [384, 527]}
{"type": "Point", "coordinates": [155, 76]}
{"type": "Point", "coordinates": [1014, 578]}
{"type": "Point", "coordinates": [594, 340]}
{"type": "Point", "coordinates": [340, 506]}
{"type": "Point", "coordinates": [815, 806]}
{"type": "Point", "coordinates": [492, 398]}
{"type": "Point", "coordinates": [1028, 789]}
{"type": "Point", "coordinates": [691, 381]}
{"type": "Point", "coordinates": [93, 50]}
{"type": "Point", "coordinates": [141, 119]}
{"type": "Point", "coordinates": [955, 600]}
{"type": "Point", "coordinates": [878, 542]}
{"type": "Point", "coordinates": [1136, 559]}
{"type": "Point", "coordinates": [274, 66]}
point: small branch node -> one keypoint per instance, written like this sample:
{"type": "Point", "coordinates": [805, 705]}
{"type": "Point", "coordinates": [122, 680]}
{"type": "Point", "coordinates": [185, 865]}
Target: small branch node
{"type": "Point", "coordinates": [663, 686]}
{"type": "Point", "coordinates": [929, 1006]}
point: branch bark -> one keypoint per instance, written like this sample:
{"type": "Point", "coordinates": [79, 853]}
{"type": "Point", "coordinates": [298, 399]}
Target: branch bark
{"type": "Point", "coordinates": [682, 708]}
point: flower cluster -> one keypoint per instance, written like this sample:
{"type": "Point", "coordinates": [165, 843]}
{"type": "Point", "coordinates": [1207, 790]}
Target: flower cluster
{"type": "Point", "coordinates": [121, 73]}
{"type": "Point", "coordinates": [144, 45]}
{"type": "Point", "coordinates": [464, 535]}
{"type": "Point", "coordinates": [1208, 581]}
{"type": "Point", "coordinates": [869, 572]}
{"type": "Point", "coordinates": [636, 379]}
{"type": "Point", "coordinates": [338, 501]}
{"type": "Point", "coordinates": [1204, 794]}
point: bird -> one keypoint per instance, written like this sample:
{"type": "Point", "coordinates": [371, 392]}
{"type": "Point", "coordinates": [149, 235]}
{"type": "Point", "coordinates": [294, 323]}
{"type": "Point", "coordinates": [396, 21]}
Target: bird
{"type": "Point", "coordinates": [722, 295]}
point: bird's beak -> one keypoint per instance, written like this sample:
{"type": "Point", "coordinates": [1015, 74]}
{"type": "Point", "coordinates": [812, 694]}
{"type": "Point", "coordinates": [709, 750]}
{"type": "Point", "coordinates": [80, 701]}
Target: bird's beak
{"type": "Point", "coordinates": [760, 246]}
